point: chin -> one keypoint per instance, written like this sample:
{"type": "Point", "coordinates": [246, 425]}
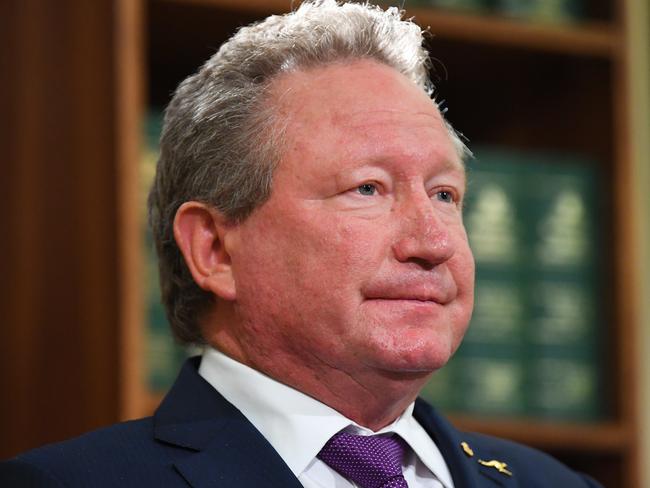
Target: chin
{"type": "Point", "coordinates": [418, 359]}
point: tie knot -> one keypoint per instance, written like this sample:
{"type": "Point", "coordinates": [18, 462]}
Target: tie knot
{"type": "Point", "coordinates": [370, 461]}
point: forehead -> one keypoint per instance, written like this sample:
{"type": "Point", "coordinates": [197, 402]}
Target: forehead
{"type": "Point", "coordinates": [360, 107]}
{"type": "Point", "coordinates": [345, 87]}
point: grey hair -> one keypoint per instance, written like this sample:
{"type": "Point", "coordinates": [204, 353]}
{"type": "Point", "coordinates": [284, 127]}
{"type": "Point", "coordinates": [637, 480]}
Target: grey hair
{"type": "Point", "coordinates": [221, 139]}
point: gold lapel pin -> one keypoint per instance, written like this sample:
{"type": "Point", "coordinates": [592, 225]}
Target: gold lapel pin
{"type": "Point", "coordinates": [467, 449]}
{"type": "Point", "coordinates": [498, 465]}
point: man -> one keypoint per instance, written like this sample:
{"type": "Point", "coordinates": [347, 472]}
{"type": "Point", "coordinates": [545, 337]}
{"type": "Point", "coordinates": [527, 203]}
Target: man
{"type": "Point", "coordinates": [307, 211]}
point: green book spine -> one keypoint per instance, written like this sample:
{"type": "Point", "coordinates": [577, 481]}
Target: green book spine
{"type": "Point", "coordinates": [564, 329]}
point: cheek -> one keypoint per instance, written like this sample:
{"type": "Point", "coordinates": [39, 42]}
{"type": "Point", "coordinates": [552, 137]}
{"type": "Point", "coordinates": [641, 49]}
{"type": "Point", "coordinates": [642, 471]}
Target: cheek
{"type": "Point", "coordinates": [356, 245]}
{"type": "Point", "coordinates": [305, 261]}
{"type": "Point", "coordinates": [331, 250]}
{"type": "Point", "coordinates": [302, 281]}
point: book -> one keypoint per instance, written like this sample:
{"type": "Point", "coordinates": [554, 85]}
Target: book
{"type": "Point", "coordinates": [564, 330]}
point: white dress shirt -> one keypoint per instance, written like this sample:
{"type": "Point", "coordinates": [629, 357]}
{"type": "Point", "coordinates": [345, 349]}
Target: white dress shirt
{"type": "Point", "coordinates": [298, 426]}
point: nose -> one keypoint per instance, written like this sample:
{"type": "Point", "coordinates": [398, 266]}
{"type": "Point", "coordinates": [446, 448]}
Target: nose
{"type": "Point", "coordinates": [423, 237]}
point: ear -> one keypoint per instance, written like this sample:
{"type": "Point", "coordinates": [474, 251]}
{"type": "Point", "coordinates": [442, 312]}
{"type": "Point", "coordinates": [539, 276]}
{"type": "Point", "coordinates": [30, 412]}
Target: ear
{"type": "Point", "coordinates": [200, 232]}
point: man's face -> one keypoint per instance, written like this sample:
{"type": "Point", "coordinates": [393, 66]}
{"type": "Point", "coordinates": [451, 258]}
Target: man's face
{"type": "Point", "coordinates": [359, 260]}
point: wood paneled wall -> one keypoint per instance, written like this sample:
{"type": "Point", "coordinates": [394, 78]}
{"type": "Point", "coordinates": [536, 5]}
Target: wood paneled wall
{"type": "Point", "coordinates": [58, 252]}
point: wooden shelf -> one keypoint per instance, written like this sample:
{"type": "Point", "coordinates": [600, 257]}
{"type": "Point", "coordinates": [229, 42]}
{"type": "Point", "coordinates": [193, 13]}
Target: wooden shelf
{"type": "Point", "coordinates": [549, 434]}
{"type": "Point", "coordinates": [588, 38]}
{"type": "Point", "coordinates": [583, 39]}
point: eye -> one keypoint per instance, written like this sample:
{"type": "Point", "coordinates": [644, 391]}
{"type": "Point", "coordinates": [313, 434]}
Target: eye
{"type": "Point", "coordinates": [445, 196]}
{"type": "Point", "coordinates": [367, 189]}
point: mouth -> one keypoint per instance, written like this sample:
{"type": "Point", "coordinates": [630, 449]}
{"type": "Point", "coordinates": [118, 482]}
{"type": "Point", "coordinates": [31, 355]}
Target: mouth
{"type": "Point", "coordinates": [406, 299]}
{"type": "Point", "coordinates": [412, 292]}
{"type": "Point", "coordinates": [428, 297]}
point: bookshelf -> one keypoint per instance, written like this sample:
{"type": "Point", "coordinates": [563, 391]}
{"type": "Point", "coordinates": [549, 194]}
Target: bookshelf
{"type": "Point", "coordinates": [507, 82]}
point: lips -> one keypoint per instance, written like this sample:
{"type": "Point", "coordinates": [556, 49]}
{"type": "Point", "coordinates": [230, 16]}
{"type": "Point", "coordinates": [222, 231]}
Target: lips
{"type": "Point", "coordinates": [440, 291]}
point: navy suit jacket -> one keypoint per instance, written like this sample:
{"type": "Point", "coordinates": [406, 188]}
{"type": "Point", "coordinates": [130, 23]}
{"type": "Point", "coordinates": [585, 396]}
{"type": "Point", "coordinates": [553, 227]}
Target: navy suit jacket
{"type": "Point", "coordinates": [196, 438]}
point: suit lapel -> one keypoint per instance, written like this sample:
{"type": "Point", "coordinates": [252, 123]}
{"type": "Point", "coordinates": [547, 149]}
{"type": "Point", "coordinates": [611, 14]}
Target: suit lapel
{"type": "Point", "coordinates": [240, 457]}
{"type": "Point", "coordinates": [466, 471]}
{"type": "Point", "coordinates": [219, 446]}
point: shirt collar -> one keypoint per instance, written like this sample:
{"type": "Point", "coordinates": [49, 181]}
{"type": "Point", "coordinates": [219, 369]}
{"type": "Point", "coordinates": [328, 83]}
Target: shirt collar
{"type": "Point", "coordinates": [295, 424]}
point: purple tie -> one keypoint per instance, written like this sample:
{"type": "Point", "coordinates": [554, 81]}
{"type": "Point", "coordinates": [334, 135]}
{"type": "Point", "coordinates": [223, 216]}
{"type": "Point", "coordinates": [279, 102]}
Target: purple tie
{"type": "Point", "coordinates": [370, 461]}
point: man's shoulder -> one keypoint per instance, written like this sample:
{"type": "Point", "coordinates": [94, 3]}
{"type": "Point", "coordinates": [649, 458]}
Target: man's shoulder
{"type": "Point", "coordinates": [103, 440]}
{"type": "Point", "coordinates": [496, 458]}
{"type": "Point", "coordinates": [110, 456]}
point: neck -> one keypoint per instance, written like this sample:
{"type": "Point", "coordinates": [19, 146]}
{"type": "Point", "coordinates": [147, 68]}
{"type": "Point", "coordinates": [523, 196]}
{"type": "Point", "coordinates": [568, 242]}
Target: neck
{"type": "Point", "coordinates": [370, 397]}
